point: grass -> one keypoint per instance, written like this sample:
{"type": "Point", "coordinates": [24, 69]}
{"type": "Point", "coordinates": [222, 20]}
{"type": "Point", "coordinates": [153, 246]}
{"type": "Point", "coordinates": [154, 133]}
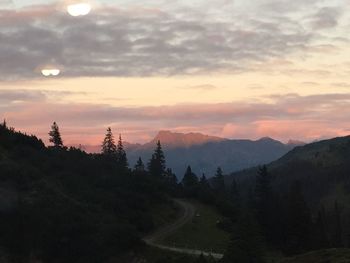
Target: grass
{"type": "Point", "coordinates": [165, 213]}
{"type": "Point", "coordinates": [335, 255]}
{"type": "Point", "coordinates": [201, 233]}
{"type": "Point", "coordinates": [147, 254]}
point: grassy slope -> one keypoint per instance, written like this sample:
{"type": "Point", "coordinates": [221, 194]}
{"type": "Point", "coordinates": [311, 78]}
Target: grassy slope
{"type": "Point", "coordinates": [322, 256]}
{"type": "Point", "coordinates": [202, 233]}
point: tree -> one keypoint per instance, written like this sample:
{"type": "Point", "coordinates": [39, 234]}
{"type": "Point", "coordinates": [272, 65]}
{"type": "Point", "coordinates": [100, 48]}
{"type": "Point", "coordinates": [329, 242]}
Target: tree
{"type": "Point", "coordinates": [337, 239]}
{"type": "Point", "coordinates": [139, 166]}
{"type": "Point", "coordinates": [264, 201]}
{"type": "Point", "coordinates": [55, 136]}
{"type": "Point", "coordinates": [122, 161]}
{"type": "Point", "coordinates": [108, 145]}
{"type": "Point", "coordinates": [234, 192]}
{"type": "Point", "coordinates": [190, 182]}
{"type": "Point", "coordinates": [219, 181]}
{"type": "Point", "coordinates": [204, 181]}
{"type": "Point", "coordinates": [320, 239]}
{"type": "Point", "coordinates": [4, 124]}
{"type": "Point", "coordinates": [156, 165]}
{"type": "Point", "coordinates": [246, 243]}
{"type": "Point", "coordinates": [171, 181]}
{"type": "Point", "coordinates": [298, 221]}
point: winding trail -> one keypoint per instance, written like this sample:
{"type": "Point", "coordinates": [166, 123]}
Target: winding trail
{"type": "Point", "coordinates": [188, 213]}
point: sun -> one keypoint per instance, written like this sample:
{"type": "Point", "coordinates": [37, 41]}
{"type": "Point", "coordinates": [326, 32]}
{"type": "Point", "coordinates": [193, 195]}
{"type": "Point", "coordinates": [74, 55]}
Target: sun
{"type": "Point", "coordinates": [79, 9]}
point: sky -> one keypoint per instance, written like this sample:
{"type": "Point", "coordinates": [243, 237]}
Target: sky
{"type": "Point", "coordinates": [230, 68]}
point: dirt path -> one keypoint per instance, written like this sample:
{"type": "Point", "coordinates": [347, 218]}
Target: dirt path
{"type": "Point", "coordinates": [188, 214]}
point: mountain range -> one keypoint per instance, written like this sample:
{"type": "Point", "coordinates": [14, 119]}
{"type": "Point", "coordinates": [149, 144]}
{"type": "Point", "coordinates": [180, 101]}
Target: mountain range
{"type": "Point", "coordinates": [323, 169]}
{"type": "Point", "coordinates": [205, 153]}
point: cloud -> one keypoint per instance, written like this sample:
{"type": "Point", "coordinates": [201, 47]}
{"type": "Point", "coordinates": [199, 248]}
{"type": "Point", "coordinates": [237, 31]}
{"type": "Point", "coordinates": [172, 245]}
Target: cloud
{"type": "Point", "coordinates": [282, 117]}
{"type": "Point", "coordinates": [143, 42]}
{"type": "Point", "coordinates": [326, 17]}
{"type": "Point", "coordinates": [204, 87]}
{"type": "Point", "coordinates": [19, 97]}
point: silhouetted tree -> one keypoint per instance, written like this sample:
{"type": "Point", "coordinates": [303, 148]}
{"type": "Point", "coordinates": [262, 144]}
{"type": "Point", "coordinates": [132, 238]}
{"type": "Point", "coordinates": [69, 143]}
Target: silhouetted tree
{"type": "Point", "coordinates": [337, 239]}
{"type": "Point", "coordinates": [122, 161]}
{"type": "Point", "coordinates": [219, 181]}
{"type": "Point", "coordinates": [203, 181]}
{"type": "Point", "coordinates": [319, 236]}
{"type": "Point", "coordinates": [298, 221]}
{"type": "Point", "coordinates": [156, 165]}
{"type": "Point", "coordinates": [139, 166]}
{"type": "Point", "coordinates": [55, 136]}
{"type": "Point", "coordinates": [233, 191]}
{"type": "Point", "coordinates": [190, 182]}
{"type": "Point", "coordinates": [4, 124]}
{"type": "Point", "coordinates": [246, 243]}
{"type": "Point", "coordinates": [108, 145]}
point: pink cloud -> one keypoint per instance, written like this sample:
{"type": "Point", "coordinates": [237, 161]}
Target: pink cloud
{"type": "Point", "coordinates": [288, 117]}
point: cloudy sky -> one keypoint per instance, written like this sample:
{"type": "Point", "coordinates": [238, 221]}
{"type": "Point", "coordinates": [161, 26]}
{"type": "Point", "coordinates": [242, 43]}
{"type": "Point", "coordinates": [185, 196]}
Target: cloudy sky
{"type": "Point", "coordinates": [231, 68]}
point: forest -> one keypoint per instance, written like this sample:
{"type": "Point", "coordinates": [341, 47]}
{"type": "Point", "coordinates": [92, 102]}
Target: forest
{"type": "Point", "coordinates": [61, 204]}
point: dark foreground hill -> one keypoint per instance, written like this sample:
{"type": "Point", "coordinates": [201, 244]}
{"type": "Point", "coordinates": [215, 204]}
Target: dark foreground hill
{"type": "Point", "coordinates": [322, 169]}
{"type": "Point", "coordinates": [63, 205]}
{"type": "Point", "coordinates": [205, 153]}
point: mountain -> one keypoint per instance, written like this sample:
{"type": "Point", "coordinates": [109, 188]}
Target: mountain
{"type": "Point", "coordinates": [205, 153]}
{"type": "Point", "coordinates": [173, 140]}
{"type": "Point", "coordinates": [322, 168]}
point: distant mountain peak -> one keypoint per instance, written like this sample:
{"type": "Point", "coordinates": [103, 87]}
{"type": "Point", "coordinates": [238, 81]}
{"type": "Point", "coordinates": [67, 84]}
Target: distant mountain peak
{"type": "Point", "coordinates": [268, 139]}
{"type": "Point", "coordinates": [175, 139]}
{"type": "Point", "coordinates": [295, 143]}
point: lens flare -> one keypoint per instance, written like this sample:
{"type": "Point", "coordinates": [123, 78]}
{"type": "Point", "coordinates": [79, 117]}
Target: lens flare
{"type": "Point", "coordinates": [79, 9]}
{"type": "Point", "coordinates": [50, 72]}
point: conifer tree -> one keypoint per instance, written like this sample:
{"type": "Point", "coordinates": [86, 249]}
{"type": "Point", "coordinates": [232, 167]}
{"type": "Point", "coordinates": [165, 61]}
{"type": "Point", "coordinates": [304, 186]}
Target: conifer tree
{"type": "Point", "coordinates": [55, 136]}
{"type": "Point", "coordinates": [156, 165]}
{"type": "Point", "coordinates": [171, 178]}
{"type": "Point", "coordinates": [319, 234]}
{"type": "Point", "coordinates": [234, 192]}
{"type": "Point", "coordinates": [122, 160]}
{"type": "Point", "coordinates": [139, 166]}
{"type": "Point", "coordinates": [108, 145]}
{"type": "Point", "coordinates": [204, 181]}
{"type": "Point", "coordinates": [190, 182]}
{"type": "Point", "coordinates": [4, 124]}
{"type": "Point", "coordinates": [298, 221]}
{"type": "Point", "coordinates": [337, 240]}
{"type": "Point", "coordinates": [263, 201]}
{"type": "Point", "coordinates": [246, 243]}
{"type": "Point", "coordinates": [219, 181]}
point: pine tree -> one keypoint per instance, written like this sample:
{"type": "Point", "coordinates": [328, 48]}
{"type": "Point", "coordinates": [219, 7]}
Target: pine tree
{"type": "Point", "coordinates": [263, 200]}
{"type": "Point", "coordinates": [234, 192]}
{"type": "Point", "coordinates": [139, 166]}
{"type": "Point", "coordinates": [337, 240]}
{"type": "Point", "coordinates": [204, 181]}
{"type": "Point", "coordinates": [319, 234]}
{"type": "Point", "coordinates": [171, 178]}
{"type": "Point", "coordinates": [246, 243]}
{"type": "Point", "coordinates": [219, 181]}
{"type": "Point", "coordinates": [298, 221]}
{"type": "Point", "coordinates": [55, 136]}
{"type": "Point", "coordinates": [108, 145]}
{"type": "Point", "coordinates": [156, 165]}
{"type": "Point", "coordinates": [190, 182]}
{"type": "Point", "coordinates": [122, 160]}
{"type": "Point", "coordinates": [4, 124]}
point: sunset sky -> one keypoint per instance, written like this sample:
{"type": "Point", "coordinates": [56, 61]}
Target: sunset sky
{"type": "Point", "coordinates": [230, 68]}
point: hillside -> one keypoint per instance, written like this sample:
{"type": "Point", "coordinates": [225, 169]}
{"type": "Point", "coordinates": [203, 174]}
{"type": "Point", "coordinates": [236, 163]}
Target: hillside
{"type": "Point", "coordinates": [205, 153]}
{"type": "Point", "coordinates": [323, 170]}
{"type": "Point", "coordinates": [63, 205]}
